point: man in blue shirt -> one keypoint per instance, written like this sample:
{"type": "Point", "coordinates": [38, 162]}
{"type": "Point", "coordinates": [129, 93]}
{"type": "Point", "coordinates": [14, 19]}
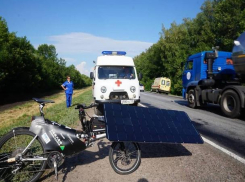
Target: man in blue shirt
{"type": "Point", "coordinates": [68, 87]}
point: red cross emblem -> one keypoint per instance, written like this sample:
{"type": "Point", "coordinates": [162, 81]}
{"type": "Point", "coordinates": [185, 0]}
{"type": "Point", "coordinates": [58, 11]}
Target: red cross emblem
{"type": "Point", "coordinates": [118, 83]}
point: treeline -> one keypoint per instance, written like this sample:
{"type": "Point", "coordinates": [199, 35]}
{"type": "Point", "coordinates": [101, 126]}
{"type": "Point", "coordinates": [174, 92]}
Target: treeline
{"type": "Point", "coordinates": [219, 23]}
{"type": "Point", "coordinates": [24, 69]}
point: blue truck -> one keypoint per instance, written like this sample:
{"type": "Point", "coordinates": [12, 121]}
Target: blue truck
{"type": "Point", "coordinates": [216, 77]}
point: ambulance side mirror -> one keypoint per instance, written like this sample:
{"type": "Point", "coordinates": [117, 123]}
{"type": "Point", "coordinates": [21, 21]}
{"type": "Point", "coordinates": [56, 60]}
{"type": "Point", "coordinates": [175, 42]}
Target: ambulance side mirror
{"type": "Point", "coordinates": [91, 75]}
{"type": "Point", "coordinates": [140, 76]}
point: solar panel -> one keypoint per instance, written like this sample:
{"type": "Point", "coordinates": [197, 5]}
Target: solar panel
{"type": "Point", "coordinates": [138, 124]}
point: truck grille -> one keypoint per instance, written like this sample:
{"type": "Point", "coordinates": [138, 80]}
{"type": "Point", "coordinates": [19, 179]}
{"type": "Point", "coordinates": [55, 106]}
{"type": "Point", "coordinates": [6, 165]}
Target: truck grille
{"type": "Point", "coordinates": [118, 95]}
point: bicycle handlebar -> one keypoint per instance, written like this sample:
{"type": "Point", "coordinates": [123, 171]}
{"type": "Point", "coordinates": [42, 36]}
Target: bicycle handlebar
{"type": "Point", "coordinates": [83, 106]}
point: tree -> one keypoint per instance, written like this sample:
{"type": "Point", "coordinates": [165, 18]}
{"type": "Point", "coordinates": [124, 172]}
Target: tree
{"type": "Point", "coordinates": [24, 69]}
{"type": "Point", "coordinates": [219, 23]}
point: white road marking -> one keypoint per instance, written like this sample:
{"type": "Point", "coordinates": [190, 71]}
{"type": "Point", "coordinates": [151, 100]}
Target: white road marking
{"type": "Point", "coordinates": [240, 159]}
{"type": "Point", "coordinates": [139, 104]}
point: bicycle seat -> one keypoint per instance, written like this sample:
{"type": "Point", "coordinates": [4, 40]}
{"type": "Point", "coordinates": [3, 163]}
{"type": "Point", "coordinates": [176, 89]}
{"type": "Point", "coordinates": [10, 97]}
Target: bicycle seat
{"type": "Point", "coordinates": [42, 101]}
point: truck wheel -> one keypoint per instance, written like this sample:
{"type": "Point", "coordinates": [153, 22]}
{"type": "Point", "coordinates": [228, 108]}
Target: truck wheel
{"type": "Point", "coordinates": [230, 104]}
{"type": "Point", "coordinates": [157, 91]}
{"type": "Point", "coordinates": [191, 98]}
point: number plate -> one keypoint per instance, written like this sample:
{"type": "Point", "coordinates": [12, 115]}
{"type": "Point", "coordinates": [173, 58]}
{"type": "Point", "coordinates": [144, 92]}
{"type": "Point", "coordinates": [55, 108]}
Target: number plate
{"type": "Point", "coordinates": [127, 101]}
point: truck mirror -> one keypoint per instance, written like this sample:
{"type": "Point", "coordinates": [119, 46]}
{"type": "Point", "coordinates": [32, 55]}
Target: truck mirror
{"type": "Point", "coordinates": [140, 76]}
{"type": "Point", "coordinates": [91, 75]}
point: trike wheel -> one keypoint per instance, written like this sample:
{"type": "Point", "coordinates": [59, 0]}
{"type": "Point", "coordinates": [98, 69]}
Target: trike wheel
{"type": "Point", "coordinates": [125, 157]}
{"type": "Point", "coordinates": [11, 146]}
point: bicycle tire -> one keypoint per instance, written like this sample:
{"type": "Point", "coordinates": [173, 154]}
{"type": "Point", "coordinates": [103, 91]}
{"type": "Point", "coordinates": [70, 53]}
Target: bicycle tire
{"type": "Point", "coordinates": [118, 169]}
{"type": "Point", "coordinates": [5, 174]}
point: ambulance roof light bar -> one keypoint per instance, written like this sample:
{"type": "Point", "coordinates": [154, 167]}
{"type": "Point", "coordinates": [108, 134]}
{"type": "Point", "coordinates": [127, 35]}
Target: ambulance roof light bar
{"type": "Point", "coordinates": [121, 53]}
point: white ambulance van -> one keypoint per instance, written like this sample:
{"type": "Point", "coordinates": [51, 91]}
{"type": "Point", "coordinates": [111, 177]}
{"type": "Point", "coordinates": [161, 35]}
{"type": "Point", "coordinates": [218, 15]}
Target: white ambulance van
{"type": "Point", "coordinates": [115, 80]}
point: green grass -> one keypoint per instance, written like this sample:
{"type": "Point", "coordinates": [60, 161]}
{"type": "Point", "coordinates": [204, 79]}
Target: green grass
{"type": "Point", "coordinates": [58, 113]}
{"type": "Point", "coordinates": [68, 116]}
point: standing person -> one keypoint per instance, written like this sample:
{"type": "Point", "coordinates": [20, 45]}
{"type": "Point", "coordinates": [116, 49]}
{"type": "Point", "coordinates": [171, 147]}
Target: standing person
{"type": "Point", "coordinates": [68, 86]}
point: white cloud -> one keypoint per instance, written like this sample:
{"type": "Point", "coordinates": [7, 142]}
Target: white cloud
{"type": "Point", "coordinates": [78, 42]}
{"type": "Point", "coordinates": [70, 60]}
{"type": "Point", "coordinates": [82, 68]}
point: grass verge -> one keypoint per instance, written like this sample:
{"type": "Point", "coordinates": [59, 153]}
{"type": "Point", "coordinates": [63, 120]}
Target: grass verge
{"type": "Point", "coordinates": [58, 113]}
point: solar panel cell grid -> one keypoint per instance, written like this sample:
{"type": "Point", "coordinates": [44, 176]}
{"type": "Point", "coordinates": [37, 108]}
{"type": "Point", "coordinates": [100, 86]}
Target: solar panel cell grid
{"type": "Point", "coordinates": [129, 123]}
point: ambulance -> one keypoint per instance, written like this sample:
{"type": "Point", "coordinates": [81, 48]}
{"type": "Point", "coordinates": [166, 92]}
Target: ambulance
{"type": "Point", "coordinates": [115, 80]}
{"type": "Point", "coordinates": [161, 84]}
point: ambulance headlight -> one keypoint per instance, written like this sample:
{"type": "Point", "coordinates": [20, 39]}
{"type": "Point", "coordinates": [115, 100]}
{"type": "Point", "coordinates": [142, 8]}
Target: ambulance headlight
{"type": "Point", "coordinates": [103, 89]}
{"type": "Point", "coordinates": [132, 89]}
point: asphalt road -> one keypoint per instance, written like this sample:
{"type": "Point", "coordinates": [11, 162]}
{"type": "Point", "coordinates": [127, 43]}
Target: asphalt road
{"type": "Point", "coordinates": [159, 162]}
{"type": "Point", "coordinates": [209, 121]}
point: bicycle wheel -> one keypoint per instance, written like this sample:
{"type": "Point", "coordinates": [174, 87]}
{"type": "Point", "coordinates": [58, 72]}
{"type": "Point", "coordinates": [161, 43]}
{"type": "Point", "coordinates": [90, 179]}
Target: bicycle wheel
{"type": "Point", "coordinates": [125, 157]}
{"type": "Point", "coordinates": [11, 146]}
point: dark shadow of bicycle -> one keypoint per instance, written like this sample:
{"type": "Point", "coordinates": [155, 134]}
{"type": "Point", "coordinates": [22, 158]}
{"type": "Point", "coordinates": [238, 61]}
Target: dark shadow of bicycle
{"type": "Point", "coordinates": [85, 157]}
{"type": "Point", "coordinates": [148, 150]}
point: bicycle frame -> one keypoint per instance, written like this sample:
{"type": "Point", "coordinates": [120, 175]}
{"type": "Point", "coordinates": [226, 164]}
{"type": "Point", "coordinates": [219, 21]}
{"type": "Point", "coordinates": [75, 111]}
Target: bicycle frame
{"type": "Point", "coordinates": [57, 137]}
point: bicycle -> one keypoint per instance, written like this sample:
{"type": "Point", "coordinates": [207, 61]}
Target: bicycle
{"type": "Point", "coordinates": [25, 152]}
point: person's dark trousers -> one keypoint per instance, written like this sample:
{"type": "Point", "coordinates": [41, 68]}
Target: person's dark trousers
{"type": "Point", "coordinates": [68, 100]}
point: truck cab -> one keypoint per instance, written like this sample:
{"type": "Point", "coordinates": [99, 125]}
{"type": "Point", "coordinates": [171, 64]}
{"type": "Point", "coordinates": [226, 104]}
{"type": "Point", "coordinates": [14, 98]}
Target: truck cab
{"type": "Point", "coordinates": [115, 79]}
{"type": "Point", "coordinates": [196, 70]}
{"type": "Point", "coordinates": [216, 77]}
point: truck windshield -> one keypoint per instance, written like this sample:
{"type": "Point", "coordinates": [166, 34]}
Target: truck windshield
{"type": "Point", "coordinates": [116, 72]}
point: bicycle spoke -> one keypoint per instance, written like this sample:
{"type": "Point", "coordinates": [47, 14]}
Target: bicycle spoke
{"type": "Point", "coordinates": [14, 139]}
{"type": "Point", "coordinates": [134, 153]}
{"type": "Point", "coordinates": [117, 159]}
{"type": "Point", "coordinates": [33, 160]}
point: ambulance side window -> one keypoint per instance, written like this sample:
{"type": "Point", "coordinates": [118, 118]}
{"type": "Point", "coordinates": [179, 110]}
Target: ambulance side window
{"type": "Point", "coordinates": [163, 82]}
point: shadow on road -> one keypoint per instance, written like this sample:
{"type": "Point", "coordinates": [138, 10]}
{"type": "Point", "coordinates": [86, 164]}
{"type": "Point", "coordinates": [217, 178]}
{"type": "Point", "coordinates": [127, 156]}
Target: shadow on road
{"type": "Point", "coordinates": [142, 180]}
{"type": "Point", "coordinates": [85, 157]}
{"type": "Point", "coordinates": [156, 150]}
{"type": "Point", "coordinates": [212, 108]}
{"type": "Point", "coordinates": [235, 145]}
{"type": "Point", "coordinates": [148, 150]}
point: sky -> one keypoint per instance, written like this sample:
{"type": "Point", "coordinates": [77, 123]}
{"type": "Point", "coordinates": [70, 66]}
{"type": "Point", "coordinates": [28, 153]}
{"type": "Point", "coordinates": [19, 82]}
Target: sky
{"type": "Point", "coordinates": [81, 29]}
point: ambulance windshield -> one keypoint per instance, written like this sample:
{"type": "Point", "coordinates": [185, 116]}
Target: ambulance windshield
{"type": "Point", "coordinates": [116, 72]}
